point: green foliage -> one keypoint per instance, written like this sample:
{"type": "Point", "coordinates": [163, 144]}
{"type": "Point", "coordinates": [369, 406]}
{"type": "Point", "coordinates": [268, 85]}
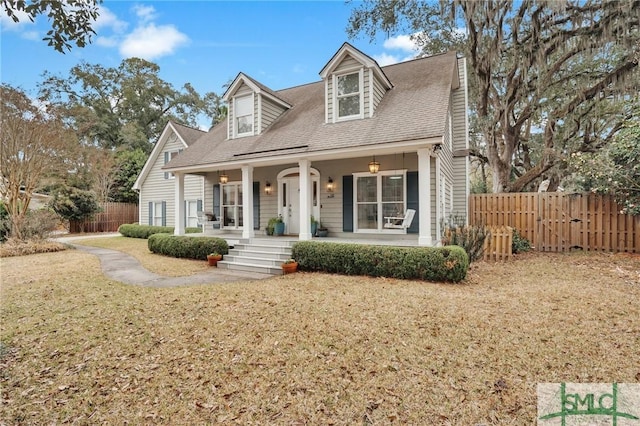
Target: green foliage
{"type": "Point", "coordinates": [424, 263]}
{"type": "Point", "coordinates": [134, 230]}
{"type": "Point", "coordinates": [129, 164]}
{"type": "Point", "coordinates": [519, 244]}
{"type": "Point", "coordinates": [5, 223]}
{"type": "Point", "coordinates": [186, 247]}
{"type": "Point", "coordinates": [471, 238]}
{"type": "Point", "coordinates": [71, 20]}
{"type": "Point", "coordinates": [616, 169]}
{"type": "Point", "coordinates": [74, 203]}
{"type": "Point", "coordinates": [146, 103]}
{"type": "Point", "coordinates": [271, 225]}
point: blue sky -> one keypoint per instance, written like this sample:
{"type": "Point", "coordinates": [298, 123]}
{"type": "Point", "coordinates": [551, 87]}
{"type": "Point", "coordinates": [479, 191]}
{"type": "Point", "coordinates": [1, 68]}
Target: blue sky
{"type": "Point", "coordinates": [205, 43]}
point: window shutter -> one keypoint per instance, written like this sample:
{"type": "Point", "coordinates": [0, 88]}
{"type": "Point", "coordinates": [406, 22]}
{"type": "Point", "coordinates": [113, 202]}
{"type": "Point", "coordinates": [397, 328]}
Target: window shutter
{"type": "Point", "coordinates": [166, 160]}
{"type": "Point", "coordinates": [412, 201]}
{"type": "Point", "coordinates": [216, 203]}
{"type": "Point", "coordinates": [164, 213]}
{"type": "Point", "coordinates": [256, 205]}
{"type": "Point", "coordinates": [186, 206]}
{"type": "Point", "coordinates": [150, 213]}
{"type": "Point", "coordinates": [347, 203]}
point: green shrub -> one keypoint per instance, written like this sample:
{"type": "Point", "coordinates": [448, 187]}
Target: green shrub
{"type": "Point", "coordinates": [470, 237]}
{"type": "Point", "coordinates": [425, 263]}
{"type": "Point", "coordinates": [186, 247]}
{"type": "Point", "coordinates": [144, 231]}
{"type": "Point", "coordinates": [519, 244]}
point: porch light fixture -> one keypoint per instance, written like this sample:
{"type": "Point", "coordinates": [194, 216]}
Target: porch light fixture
{"type": "Point", "coordinates": [330, 185]}
{"type": "Point", "coordinates": [224, 178]}
{"type": "Point", "coordinates": [374, 166]}
{"type": "Point", "coordinates": [267, 188]}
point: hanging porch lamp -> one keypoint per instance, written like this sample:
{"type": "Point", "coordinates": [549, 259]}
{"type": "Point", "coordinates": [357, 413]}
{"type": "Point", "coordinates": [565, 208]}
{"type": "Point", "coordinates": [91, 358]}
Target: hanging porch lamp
{"type": "Point", "coordinates": [374, 166]}
{"type": "Point", "coordinates": [224, 178]}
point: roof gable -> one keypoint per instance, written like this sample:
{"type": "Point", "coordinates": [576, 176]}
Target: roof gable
{"type": "Point", "coordinates": [256, 87]}
{"type": "Point", "coordinates": [348, 50]}
{"type": "Point", "coordinates": [186, 135]}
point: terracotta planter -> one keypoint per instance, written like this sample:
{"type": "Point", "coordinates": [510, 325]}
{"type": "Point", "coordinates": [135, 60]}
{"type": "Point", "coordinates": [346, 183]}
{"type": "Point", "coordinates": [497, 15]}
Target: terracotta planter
{"type": "Point", "coordinates": [289, 268]}
{"type": "Point", "coordinates": [213, 260]}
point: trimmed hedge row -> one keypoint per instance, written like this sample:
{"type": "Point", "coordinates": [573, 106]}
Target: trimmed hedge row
{"type": "Point", "coordinates": [186, 247]}
{"type": "Point", "coordinates": [134, 230]}
{"type": "Point", "coordinates": [448, 263]}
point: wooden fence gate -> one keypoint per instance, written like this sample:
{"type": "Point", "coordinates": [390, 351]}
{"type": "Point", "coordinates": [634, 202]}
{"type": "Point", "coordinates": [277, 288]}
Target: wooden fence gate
{"type": "Point", "coordinates": [560, 222]}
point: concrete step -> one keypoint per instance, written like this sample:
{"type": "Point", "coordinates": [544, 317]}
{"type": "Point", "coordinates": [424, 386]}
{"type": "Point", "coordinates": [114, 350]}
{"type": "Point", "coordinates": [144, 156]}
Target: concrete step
{"type": "Point", "coordinates": [249, 267]}
{"type": "Point", "coordinates": [260, 254]}
{"type": "Point", "coordinates": [262, 261]}
{"type": "Point", "coordinates": [263, 248]}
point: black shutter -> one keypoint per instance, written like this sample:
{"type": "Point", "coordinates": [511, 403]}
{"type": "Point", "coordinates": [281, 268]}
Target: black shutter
{"type": "Point", "coordinates": [216, 204]}
{"type": "Point", "coordinates": [413, 201]}
{"type": "Point", "coordinates": [166, 160]}
{"type": "Point", "coordinates": [347, 203]}
{"type": "Point", "coordinates": [164, 213]}
{"type": "Point", "coordinates": [256, 205]}
{"type": "Point", "coordinates": [199, 209]}
{"type": "Point", "coordinates": [150, 213]}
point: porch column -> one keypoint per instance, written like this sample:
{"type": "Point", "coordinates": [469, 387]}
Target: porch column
{"type": "Point", "coordinates": [179, 205]}
{"type": "Point", "coordinates": [424, 196]}
{"type": "Point", "coordinates": [247, 202]}
{"type": "Point", "coordinates": [305, 200]}
{"type": "Point", "coordinates": [439, 199]}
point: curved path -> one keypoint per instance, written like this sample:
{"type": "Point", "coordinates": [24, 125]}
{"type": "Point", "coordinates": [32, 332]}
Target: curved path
{"type": "Point", "coordinates": [127, 269]}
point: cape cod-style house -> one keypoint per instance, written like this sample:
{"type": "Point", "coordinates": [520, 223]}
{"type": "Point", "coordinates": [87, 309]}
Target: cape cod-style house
{"type": "Point", "coordinates": [361, 146]}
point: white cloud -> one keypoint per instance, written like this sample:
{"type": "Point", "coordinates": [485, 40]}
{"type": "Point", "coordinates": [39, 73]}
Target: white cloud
{"type": "Point", "coordinates": [151, 41]}
{"type": "Point", "coordinates": [30, 35]}
{"type": "Point", "coordinates": [145, 13]}
{"type": "Point", "coordinates": [7, 23]}
{"type": "Point", "coordinates": [401, 42]}
{"type": "Point", "coordinates": [107, 19]}
{"type": "Point", "coordinates": [386, 59]}
{"type": "Point", "coordinates": [107, 41]}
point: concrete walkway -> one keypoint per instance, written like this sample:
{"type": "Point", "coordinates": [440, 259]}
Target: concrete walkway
{"type": "Point", "coordinates": [127, 269]}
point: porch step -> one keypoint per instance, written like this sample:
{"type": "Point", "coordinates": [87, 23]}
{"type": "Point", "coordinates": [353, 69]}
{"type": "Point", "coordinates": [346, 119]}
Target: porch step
{"type": "Point", "coordinates": [258, 255]}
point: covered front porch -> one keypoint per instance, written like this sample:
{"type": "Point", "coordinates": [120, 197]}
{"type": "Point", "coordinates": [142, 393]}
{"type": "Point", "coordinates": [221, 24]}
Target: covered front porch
{"type": "Point", "coordinates": [353, 196]}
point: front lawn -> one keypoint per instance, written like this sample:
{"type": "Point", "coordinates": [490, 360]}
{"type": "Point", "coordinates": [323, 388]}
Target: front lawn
{"type": "Point", "coordinates": [311, 348]}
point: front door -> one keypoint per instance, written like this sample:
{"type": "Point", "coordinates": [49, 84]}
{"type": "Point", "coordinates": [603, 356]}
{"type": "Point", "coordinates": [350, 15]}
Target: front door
{"type": "Point", "coordinates": [291, 204]}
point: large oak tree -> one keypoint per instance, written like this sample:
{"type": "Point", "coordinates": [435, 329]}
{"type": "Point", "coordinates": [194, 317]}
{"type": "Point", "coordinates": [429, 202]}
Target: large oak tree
{"type": "Point", "coordinates": [547, 78]}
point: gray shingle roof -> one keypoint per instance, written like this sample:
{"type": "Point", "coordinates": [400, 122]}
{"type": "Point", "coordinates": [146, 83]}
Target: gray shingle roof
{"type": "Point", "coordinates": [415, 108]}
{"type": "Point", "coordinates": [188, 134]}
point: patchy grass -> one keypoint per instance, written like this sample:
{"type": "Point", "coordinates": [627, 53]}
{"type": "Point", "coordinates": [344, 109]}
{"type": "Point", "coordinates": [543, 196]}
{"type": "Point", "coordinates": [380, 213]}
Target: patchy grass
{"type": "Point", "coordinates": [14, 247]}
{"type": "Point", "coordinates": [136, 247]}
{"type": "Point", "coordinates": [312, 348]}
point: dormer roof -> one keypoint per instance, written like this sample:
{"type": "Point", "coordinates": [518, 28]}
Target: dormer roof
{"type": "Point", "coordinates": [365, 60]}
{"type": "Point", "coordinates": [256, 87]}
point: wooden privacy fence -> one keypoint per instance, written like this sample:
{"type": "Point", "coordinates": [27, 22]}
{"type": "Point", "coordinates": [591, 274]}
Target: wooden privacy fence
{"type": "Point", "coordinates": [559, 222]}
{"type": "Point", "coordinates": [109, 219]}
{"type": "Point", "coordinates": [498, 245]}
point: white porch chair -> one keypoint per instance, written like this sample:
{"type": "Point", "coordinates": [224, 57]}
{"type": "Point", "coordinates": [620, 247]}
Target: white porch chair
{"type": "Point", "coordinates": [203, 220]}
{"type": "Point", "coordinates": [392, 221]}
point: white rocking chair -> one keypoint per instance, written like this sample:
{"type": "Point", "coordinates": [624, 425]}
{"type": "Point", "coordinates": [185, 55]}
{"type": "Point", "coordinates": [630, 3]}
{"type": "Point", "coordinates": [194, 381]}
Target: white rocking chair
{"type": "Point", "coordinates": [203, 220]}
{"type": "Point", "coordinates": [392, 221]}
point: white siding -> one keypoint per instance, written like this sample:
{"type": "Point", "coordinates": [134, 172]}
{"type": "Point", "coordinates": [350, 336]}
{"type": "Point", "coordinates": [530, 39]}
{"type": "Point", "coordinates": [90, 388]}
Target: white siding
{"type": "Point", "coordinates": [460, 141]}
{"type": "Point", "coordinates": [378, 93]}
{"type": "Point", "coordinates": [156, 188]}
{"type": "Point", "coordinates": [329, 99]}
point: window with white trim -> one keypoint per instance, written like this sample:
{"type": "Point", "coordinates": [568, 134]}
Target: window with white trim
{"type": "Point", "coordinates": [243, 111]}
{"type": "Point", "coordinates": [157, 213]}
{"type": "Point", "coordinates": [379, 196]}
{"type": "Point", "coordinates": [348, 95]}
{"type": "Point", "coordinates": [191, 213]}
{"type": "Point", "coordinates": [231, 205]}
{"type": "Point", "coordinates": [168, 156]}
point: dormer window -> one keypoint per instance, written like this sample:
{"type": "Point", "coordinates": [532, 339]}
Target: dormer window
{"type": "Point", "coordinates": [348, 95]}
{"type": "Point", "coordinates": [244, 115]}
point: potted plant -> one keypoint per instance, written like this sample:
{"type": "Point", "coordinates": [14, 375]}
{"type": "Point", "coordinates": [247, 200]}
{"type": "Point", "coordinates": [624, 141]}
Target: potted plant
{"type": "Point", "coordinates": [322, 231]}
{"type": "Point", "coordinates": [271, 225]}
{"type": "Point", "coordinates": [314, 226]}
{"type": "Point", "coordinates": [213, 258]}
{"type": "Point", "coordinates": [289, 266]}
{"type": "Point", "coordinates": [278, 228]}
